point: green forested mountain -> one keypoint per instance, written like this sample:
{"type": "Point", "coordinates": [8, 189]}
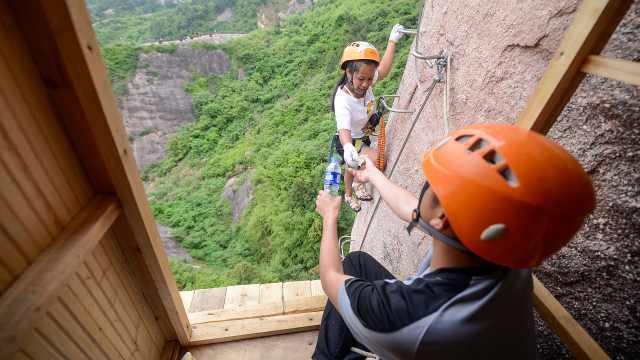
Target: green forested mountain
{"type": "Point", "coordinates": [141, 21]}
{"type": "Point", "coordinates": [272, 126]}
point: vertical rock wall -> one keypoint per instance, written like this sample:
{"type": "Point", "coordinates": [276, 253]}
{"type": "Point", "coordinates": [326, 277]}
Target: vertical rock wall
{"type": "Point", "coordinates": [500, 50]}
{"type": "Point", "coordinates": [157, 103]}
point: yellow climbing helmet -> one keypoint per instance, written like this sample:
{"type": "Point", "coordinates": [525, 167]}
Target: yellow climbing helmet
{"type": "Point", "coordinates": [359, 50]}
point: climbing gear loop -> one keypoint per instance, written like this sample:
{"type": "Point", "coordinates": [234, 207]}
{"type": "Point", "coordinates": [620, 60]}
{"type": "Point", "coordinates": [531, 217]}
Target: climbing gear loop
{"type": "Point", "coordinates": [344, 239]}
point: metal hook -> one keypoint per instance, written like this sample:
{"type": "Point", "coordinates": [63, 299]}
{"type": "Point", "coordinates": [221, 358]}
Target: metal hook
{"type": "Point", "coordinates": [342, 242]}
{"type": "Point", "coordinates": [391, 109]}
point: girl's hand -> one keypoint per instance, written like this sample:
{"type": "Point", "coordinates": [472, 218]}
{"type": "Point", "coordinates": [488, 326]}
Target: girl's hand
{"type": "Point", "coordinates": [365, 172]}
{"type": "Point", "coordinates": [328, 206]}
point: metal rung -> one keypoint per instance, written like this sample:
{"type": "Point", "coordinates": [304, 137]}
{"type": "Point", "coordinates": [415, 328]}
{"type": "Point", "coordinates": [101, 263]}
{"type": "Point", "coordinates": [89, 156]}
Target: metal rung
{"type": "Point", "coordinates": [390, 109]}
{"type": "Point", "coordinates": [409, 31]}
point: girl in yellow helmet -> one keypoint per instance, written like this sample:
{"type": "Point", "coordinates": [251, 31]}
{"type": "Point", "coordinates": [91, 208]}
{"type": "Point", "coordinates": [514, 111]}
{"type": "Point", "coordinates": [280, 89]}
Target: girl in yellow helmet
{"type": "Point", "coordinates": [353, 104]}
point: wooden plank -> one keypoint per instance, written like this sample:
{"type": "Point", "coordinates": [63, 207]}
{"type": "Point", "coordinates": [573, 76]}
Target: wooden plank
{"type": "Point", "coordinates": [208, 299]}
{"type": "Point", "coordinates": [110, 338]}
{"type": "Point", "coordinates": [73, 327]}
{"type": "Point", "coordinates": [142, 307]}
{"type": "Point", "coordinates": [186, 297]}
{"type": "Point", "coordinates": [305, 304]}
{"type": "Point", "coordinates": [53, 333]}
{"type": "Point", "coordinates": [94, 123]}
{"type": "Point", "coordinates": [141, 276]}
{"type": "Point", "coordinates": [233, 330]}
{"type": "Point", "coordinates": [296, 289]}
{"type": "Point", "coordinates": [289, 346]}
{"type": "Point", "coordinates": [125, 345]}
{"type": "Point", "coordinates": [171, 351]}
{"type": "Point", "coordinates": [12, 197]}
{"type": "Point", "coordinates": [565, 326]}
{"type": "Point", "coordinates": [42, 128]}
{"type": "Point", "coordinates": [13, 259]}
{"type": "Point", "coordinates": [38, 348]}
{"type": "Point", "coordinates": [589, 32]}
{"type": "Point", "coordinates": [270, 293]}
{"type": "Point", "coordinates": [28, 297]}
{"type": "Point", "coordinates": [316, 288]}
{"type": "Point", "coordinates": [237, 313]}
{"type": "Point", "coordinates": [239, 295]}
{"type": "Point", "coordinates": [617, 69]}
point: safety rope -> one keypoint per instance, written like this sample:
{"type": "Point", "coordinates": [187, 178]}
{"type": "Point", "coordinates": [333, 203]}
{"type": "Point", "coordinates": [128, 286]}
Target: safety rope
{"type": "Point", "coordinates": [441, 63]}
{"type": "Point", "coordinates": [380, 162]}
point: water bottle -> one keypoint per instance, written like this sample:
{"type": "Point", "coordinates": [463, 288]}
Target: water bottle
{"type": "Point", "coordinates": [332, 176]}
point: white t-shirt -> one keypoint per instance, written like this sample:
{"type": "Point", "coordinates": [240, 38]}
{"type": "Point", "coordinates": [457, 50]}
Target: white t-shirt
{"type": "Point", "coordinates": [353, 113]}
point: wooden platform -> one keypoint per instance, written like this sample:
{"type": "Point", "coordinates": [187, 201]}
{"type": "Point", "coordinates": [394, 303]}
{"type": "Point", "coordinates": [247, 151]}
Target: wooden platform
{"type": "Point", "coordinates": [242, 312]}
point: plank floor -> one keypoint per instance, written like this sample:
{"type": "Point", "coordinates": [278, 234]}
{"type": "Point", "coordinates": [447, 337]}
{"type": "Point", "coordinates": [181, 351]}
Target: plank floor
{"type": "Point", "coordinates": [243, 296]}
{"type": "Point", "coordinates": [252, 301]}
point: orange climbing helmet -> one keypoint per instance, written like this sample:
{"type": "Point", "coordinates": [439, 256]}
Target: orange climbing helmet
{"type": "Point", "coordinates": [512, 196]}
{"type": "Point", "coordinates": [359, 50]}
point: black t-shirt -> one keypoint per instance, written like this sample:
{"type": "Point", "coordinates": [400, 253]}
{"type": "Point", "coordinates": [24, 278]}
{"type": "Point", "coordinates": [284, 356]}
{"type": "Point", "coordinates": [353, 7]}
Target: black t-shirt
{"type": "Point", "coordinates": [388, 305]}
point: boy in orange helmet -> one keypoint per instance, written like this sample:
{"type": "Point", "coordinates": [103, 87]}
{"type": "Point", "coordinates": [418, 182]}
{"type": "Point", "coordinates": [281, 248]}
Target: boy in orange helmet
{"type": "Point", "coordinates": [497, 201]}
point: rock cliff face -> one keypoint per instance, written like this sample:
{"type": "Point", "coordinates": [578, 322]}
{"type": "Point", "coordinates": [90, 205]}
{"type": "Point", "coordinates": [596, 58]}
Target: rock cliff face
{"type": "Point", "coordinates": [270, 15]}
{"type": "Point", "coordinates": [500, 50]}
{"type": "Point", "coordinates": [157, 104]}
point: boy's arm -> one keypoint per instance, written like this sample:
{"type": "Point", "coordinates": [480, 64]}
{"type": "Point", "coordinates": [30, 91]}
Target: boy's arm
{"type": "Point", "coordinates": [331, 273]}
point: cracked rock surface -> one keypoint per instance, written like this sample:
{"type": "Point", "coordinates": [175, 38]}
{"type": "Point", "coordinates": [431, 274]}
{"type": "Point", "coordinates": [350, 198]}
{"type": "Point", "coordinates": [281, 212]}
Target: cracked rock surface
{"type": "Point", "coordinates": [499, 51]}
{"type": "Point", "coordinates": [157, 104]}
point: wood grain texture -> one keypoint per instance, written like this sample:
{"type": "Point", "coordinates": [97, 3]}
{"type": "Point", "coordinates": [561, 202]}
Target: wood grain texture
{"type": "Point", "coordinates": [617, 69]}
{"type": "Point", "coordinates": [270, 293]}
{"type": "Point", "coordinates": [234, 330]}
{"type": "Point", "coordinates": [240, 295]}
{"type": "Point", "coordinates": [208, 299]}
{"type": "Point", "coordinates": [295, 289]}
{"type": "Point", "coordinates": [28, 298]}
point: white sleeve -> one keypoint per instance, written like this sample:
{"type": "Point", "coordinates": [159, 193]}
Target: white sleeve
{"type": "Point", "coordinates": [343, 115]}
{"type": "Point", "coordinates": [375, 77]}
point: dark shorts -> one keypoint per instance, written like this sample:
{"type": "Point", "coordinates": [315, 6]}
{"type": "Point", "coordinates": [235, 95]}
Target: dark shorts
{"type": "Point", "coordinates": [365, 141]}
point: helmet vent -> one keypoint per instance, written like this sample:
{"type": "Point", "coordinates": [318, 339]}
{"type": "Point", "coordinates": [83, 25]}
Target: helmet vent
{"type": "Point", "coordinates": [508, 175]}
{"type": "Point", "coordinates": [493, 157]}
{"type": "Point", "coordinates": [463, 138]}
{"type": "Point", "coordinates": [478, 144]}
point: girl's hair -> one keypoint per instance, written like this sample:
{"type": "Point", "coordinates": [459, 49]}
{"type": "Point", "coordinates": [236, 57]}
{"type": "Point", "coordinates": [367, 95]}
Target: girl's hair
{"type": "Point", "coordinates": [353, 66]}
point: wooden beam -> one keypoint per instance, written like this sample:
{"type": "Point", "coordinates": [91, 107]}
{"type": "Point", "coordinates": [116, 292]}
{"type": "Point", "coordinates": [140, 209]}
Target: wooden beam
{"type": "Point", "coordinates": [233, 330]}
{"type": "Point", "coordinates": [29, 297]}
{"type": "Point", "coordinates": [572, 334]}
{"type": "Point", "coordinates": [617, 69]}
{"type": "Point", "coordinates": [237, 313]}
{"type": "Point", "coordinates": [67, 54]}
{"type": "Point", "coordinates": [296, 305]}
{"type": "Point", "coordinates": [592, 26]}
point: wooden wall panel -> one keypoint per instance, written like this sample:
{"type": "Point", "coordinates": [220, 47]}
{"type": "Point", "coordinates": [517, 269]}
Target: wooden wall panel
{"type": "Point", "coordinates": [97, 316]}
{"type": "Point", "coordinates": [101, 312]}
{"type": "Point", "coordinates": [41, 183]}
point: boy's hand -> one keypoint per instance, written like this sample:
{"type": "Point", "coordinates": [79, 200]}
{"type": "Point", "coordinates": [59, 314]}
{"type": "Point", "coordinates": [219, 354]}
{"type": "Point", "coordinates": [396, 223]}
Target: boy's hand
{"type": "Point", "coordinates": [328, 206]}
{"type": "Point", "coordinates": [363, 175]}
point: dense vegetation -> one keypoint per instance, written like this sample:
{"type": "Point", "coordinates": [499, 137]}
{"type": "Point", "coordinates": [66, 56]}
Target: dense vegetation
{"type": "Point", "coordinates": [272, 128]}
{"type": "Point", "coordinates": [142, 21]}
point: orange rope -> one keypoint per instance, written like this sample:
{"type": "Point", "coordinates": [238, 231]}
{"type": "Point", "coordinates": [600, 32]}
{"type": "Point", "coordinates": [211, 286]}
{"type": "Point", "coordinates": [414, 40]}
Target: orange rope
{"type": "Point", "coordinates": [381, 140]}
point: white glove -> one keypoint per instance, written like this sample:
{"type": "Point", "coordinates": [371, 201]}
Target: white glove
{"type": "Point", "coordinates": [396, 34]}
{"type": "Point", "coordinates": [351, 157]}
